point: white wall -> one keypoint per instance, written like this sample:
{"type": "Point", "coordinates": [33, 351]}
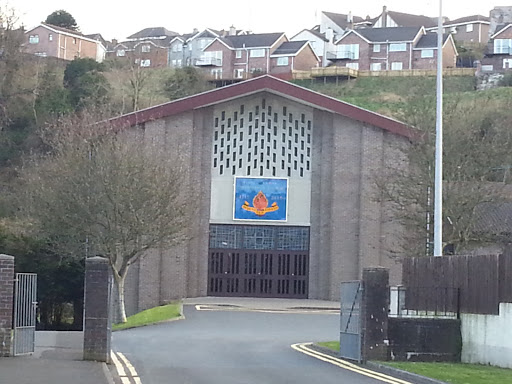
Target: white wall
{"type": "Point", "coordinates": [487, 339]}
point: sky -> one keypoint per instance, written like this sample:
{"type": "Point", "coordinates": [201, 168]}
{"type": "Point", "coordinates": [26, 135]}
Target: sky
{"type": "Point", "coordinates": [116, 19]}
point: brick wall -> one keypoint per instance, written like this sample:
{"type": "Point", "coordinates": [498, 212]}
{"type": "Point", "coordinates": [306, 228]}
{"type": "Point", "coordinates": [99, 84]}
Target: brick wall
{"type": "Point", "coordinates": [6, 303]}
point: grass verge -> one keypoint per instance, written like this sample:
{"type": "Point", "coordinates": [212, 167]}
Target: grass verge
{"type": "Point", "coordinates": [457, 373]}
{"type": "Point", "coordinates": [150, 316]}
{"type": "Point", "coordinates": [448, 372]}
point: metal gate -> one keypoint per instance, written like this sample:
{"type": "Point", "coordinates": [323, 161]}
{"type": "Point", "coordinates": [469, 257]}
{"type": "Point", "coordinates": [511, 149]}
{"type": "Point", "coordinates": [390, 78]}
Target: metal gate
{"type": "Point", "coordinates": [258, 273]}
{"type": "Point", "coordinates": [25, 302]}
{"type": "Point", "coordinates": [350, 330]}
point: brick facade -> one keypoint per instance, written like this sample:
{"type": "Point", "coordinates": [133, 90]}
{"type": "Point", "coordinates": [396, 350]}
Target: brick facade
{"type": "Point", "coordinates": [6, 303]}
{"type": "Point", "coordinates": [348, 225]}
{"type": "Point", "coordinates": [65, 46]}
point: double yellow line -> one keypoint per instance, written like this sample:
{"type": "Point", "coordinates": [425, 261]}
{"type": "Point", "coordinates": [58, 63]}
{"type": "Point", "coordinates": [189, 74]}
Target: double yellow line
{"type": "Point", "coordinates": [305, 348]}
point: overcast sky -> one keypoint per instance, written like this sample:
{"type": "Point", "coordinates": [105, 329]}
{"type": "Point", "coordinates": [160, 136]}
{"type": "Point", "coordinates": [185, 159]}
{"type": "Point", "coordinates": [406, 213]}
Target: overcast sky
{"type": "Point", "coordinates": [116, 19]}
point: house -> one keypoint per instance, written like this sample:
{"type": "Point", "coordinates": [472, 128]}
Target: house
{"type": "Point", "coordinates": [147, 48]}
{"type": "Point", "coordinates": [187, 49]}
{"type": "Point", "coordinates": [498, 57]}
{"type": "Point", "coordinates": [339, 23]}
{"type": "Point", "coordinates": [469, 30]}
{"type": "Point", "coordinates": [49, 40]}
{"type": "Point", "coordinates": [394, 48]}
{"type": "Point", "coordinates": [320, 42]}
{"type": "Point", "coordinates": [309, 158]}
{"type": "Point", "coordinates": [291, 56]}
{"type": "Point", "coordinates": [239, 57]}
{"type": "Point", "coordinates": [499, 16]}
{"type": "Point", "coordinates": [391, 19]}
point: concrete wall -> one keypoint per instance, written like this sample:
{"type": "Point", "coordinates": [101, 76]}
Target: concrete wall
{"type": "Point", "coordinates": [487, 339]}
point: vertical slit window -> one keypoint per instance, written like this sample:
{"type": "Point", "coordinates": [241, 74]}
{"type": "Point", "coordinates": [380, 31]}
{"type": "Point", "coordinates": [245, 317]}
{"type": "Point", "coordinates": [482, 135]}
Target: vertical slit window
{"type": "Point", "coordinates": [289, 171]}
{"type": "Point", "coordinates": [242, 109]}
{"type": "Point", "coordinates": [216, 122]}
{"type": "Point", "coordinates": [235, 116]}
{"type": "Point", "coordinates": [239, 163]}
{"type": "Point", "coordinates": [261, 171]}
{"type": "Point", "coordinates": [250, 116]}
{"type": "Point", "coordinates": [284, 111]}
{"type": "Point", "coordinates": [223, 115]}
{"type": "Point", "coordinates": [221, 169]}
{"type": "Point", "coordinates": [241, 123]}
{"type": "Point", "coordinates": [302, 172]}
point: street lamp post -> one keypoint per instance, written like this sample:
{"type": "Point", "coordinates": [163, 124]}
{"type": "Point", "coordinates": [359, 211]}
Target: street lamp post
{"type": "Point", "coordinates": [438, 178]}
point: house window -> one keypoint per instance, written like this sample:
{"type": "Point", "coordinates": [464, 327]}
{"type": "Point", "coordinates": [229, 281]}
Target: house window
{"type": "Point", "coordinates": [469, 28]}
{"type": "Point", "coordinates": [145, 63]}
{"type": "Point", "coordinates": [179, 47]}
{"type": "Point", "coordinates": [33, 39]}
{"type": "Point", "coordinates": [74, 40]}
{"type": "Point", "coordinates": [239, 73]}
{"type": "Point", "coordinates": [348, 51]}
{"type": "Point", "coordinates": [238, 54]}
{"type": "Point", "coordinates": [502, 45]}
{"type": "Point", "coordinates": [376, 67]}
{"type": "Point", "coordinates": [202, 43]}
{"type": "Point", "coordinates": [453, 29]}
{"type": "Point", "coordinates": [353, 65]}
{"type": "Point", "coordinates": [146, 48]}
{"type": "Point", "coordinates": [507, 63]}
{"type": "Point", "coordinates": [174, 63]}
{"type": "Point", "coordinates": [281, 61]}
{"type": "Point", "coordinates": [121, 53]}
{"type": "Point", "coordinates": [257, 53]}
{"type": "Point", "coordinates": [427, 53]}
{"type": "Point", "coordinates": [50, 37]}
{"type": "Point", "coordinates": [396, 66]}
{"type": "Point", "coordinates": [216, 73]}
{"type": "Point", "coordinates": [397, 47]}
{"type": "Point", "coordinates": [178, 63]}
{"type": "Point", "coordinates": [376, 47]}
{"type": "Point", "coordinates": [175, 48]}
{"type": "Point", "coordinates": [211, 58]}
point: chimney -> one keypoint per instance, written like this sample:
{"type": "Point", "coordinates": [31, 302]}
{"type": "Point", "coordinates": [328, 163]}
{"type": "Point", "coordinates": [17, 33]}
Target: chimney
{"type": "Point", "coordinates": [350, 20]}
{"type": "Point", "coordinates": [329, 34]}
{"type": "Point", "coordinates": [384, 16]}
{"type": "Point", "coordinates": [195, 30]}
{"type": "Point", "coordinates": [232, 31]}
{"type": "Point", "coordinates": [114, 42]}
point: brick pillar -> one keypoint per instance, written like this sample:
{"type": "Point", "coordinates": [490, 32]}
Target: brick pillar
{"type": "Point", "coordinates": [375, 314]}
{"type": "Point", "coordinates": [6, 303]}
{"type": "Point", "coordinates": [97, 317]}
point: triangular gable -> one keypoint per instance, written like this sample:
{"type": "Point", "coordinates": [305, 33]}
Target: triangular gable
{"type": "Point", "coordinates": [306, 44]}
{"type": "Point", "coordinates": [272, 85]}
{"type": "Point", "coordinates": [219, 40]}
{"type": "Point", "coordinates": [348, 33]}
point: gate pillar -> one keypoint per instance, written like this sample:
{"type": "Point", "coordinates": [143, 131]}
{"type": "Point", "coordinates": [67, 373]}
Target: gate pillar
{"type": "Point", "coordinates": [6, 303]}
{"type": "Point", "coordinates": [375, 314]}
{"type": "Point", "coordinates": [97, 319]}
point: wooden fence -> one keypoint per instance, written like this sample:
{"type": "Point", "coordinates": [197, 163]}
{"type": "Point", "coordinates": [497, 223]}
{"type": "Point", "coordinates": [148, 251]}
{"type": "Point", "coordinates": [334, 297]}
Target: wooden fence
{"type": "Point", "coordinates": [484, 281]}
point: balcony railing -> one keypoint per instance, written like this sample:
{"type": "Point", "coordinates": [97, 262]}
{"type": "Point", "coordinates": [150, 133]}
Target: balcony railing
{"type": "Point", "coordinates": [341, 55]}
{"type": "Point", "coordinates": [208, 62]}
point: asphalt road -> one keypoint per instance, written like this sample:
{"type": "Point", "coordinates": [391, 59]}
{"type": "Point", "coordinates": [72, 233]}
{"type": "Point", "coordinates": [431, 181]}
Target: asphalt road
{"type": "Point", "coordinates": [224, 347]}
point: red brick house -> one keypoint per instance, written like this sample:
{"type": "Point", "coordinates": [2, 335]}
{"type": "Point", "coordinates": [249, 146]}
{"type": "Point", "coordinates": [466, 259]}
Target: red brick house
{"type": "Point", "coordinates": [394, 48]}
{"type": "Point", "coordinates": [49, 40]}
{"type": "Point", "coordinates": [498, 57]}
{"type": "Point", "coordinates": [235, 58]}
{"type": "Point", "coordinates": [147, 48]}
{"type": "Point", "coordinates": [470, 29]}
{"type": "Point", "coordinates": [293, 55]}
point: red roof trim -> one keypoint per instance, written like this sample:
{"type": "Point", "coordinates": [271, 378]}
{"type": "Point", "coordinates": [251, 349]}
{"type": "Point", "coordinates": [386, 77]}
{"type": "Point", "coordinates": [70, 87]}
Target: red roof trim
{"type": "Point", "coordinates": [273, 85]}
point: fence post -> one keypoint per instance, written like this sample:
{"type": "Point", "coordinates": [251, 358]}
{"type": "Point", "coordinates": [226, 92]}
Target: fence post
{"type": "Point", "coordinates": [6, 303]}
{"type": "Point", "coordinates": [375, 314]}
{"type": "Point", "coordinates": [97, 319]}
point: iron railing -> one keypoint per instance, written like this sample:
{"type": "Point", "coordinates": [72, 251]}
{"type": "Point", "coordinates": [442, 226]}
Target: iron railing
{"type": "Point", "coordinates": [425, 302]}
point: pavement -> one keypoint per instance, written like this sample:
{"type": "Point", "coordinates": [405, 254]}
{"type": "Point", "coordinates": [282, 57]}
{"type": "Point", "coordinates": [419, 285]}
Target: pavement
{"type": "Point", "coordinates": [57, 360]}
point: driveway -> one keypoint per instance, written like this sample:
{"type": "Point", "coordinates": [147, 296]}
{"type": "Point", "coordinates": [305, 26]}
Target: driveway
{"type": "Point", "coordinates": [217, 345]}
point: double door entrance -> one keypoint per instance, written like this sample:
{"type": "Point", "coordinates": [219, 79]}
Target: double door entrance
{"type": "Point", "coordinates": [258, 261]}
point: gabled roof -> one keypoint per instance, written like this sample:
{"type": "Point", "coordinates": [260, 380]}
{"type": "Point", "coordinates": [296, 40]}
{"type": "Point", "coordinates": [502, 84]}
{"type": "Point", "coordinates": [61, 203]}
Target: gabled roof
{"type": "Point", "coordinates": [290, 48]}
{"type": "Point", "coordinates": [341, 19]}
{"type": "Point", "coordinates": [383, 35]}
{"type": "Point", "coordinates": [501, 28]}
{"type": "Point", "coordinates": [152, 33]}
{"type": "Point", "coordinates": [410, 20]}
{"type": "Point", "coordinates": [272, 85]}
{"type": "Point", "coordinates": [64, 31]}
{"type": "Point", "coordinates": [314, 32]}
{"type": "Point", "coordinates": [493, 218]}
{"type": "Point", "coordinates": [254, 40]}
{"type": "Point", "coordinates": [468, 19]}
{"type": "Point", "coordinates": [429, 41]}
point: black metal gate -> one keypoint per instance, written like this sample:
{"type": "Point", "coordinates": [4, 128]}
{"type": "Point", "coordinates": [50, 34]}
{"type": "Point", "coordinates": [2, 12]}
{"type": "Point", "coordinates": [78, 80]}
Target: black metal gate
{"type": "Point", "coordinates": [25, 302]}
{"type": "Point", "coordinates": [258, 273]}
{"type": "Point", "coordinates": [350, 327]}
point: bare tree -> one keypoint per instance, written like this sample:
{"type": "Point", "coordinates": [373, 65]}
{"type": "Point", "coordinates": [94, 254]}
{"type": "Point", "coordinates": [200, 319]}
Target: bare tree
{"type": "Point", "coordinates": [477, 159]}
{"type": "Point", "coordinates": [102, 192]}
